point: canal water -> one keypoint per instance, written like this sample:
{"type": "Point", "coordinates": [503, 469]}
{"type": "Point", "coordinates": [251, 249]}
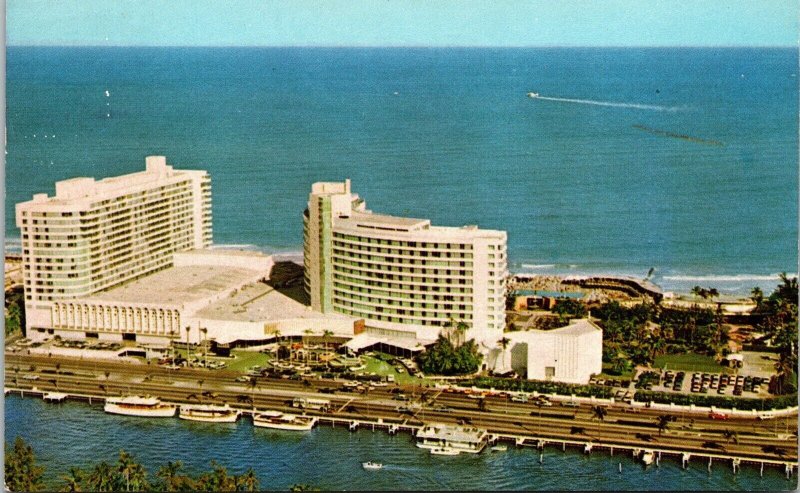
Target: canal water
{"type": "Point", "coordinates": [79, 434]}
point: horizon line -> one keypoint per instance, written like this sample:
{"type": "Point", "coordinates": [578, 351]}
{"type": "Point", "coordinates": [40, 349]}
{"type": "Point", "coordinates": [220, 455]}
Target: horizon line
{"type": "Point", "coordinates": [722, 46]}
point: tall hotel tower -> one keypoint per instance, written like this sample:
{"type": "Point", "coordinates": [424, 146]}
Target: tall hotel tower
{"type": "Point", "coordinates": [95, 235]}
{"type": "Point", "coordinates": [402, 276]}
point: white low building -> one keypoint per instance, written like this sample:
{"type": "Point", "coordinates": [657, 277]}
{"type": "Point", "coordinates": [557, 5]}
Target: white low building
{"type": "Point", "coordinates": [570, 354]}
{"type": "Point", "coordinates": [214, 295]}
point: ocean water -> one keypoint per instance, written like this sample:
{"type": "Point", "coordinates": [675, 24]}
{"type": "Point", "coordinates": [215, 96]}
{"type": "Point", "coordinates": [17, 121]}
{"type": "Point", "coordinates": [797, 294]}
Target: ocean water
{"type": "Point", "coordinates": [594, 177]}
{"type": "Point", "coordinates": [330, 458]}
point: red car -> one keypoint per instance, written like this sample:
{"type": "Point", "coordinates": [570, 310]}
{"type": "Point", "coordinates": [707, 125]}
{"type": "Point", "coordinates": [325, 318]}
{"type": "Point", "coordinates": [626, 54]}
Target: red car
{"type": "Point", "coordinates": [714, 415]}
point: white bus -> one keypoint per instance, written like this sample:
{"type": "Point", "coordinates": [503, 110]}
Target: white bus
{"type": "Point", "coordinates": [311, 403]}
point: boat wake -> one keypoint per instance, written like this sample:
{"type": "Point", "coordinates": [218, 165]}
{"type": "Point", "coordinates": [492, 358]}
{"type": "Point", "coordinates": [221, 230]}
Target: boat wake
{"type": "Point", "coordinates": [651, 107]}
{"type": "Point", "coordinates": [725, 278]}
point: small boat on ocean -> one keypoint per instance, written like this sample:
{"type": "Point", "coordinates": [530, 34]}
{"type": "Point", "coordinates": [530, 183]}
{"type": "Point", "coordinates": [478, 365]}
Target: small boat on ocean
{"type": "Point", "coordinates": [280, 421]}
{"type": "Point", "coordinates": [209, 413]}
{"type": "Point", "coordinates": [150, 407]}
{"type": "Point", "coordinates": [373, 466]}
{"type": "Point", "coordinates": [499, 448]}
{"type": "Point", "coordinates": [648, 457]}
{"type": "Point", "coordinates": [533, 94]}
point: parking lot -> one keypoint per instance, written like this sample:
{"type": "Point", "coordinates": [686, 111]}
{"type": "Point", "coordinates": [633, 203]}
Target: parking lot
{"type": "Point", "coordinates": [705, 383]}
{"type": "Point", "coordinates": [623, 393]}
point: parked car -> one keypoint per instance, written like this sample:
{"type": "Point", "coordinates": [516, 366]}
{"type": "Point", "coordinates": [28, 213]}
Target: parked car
{"type": "Point", "coordinates": [717, 415]}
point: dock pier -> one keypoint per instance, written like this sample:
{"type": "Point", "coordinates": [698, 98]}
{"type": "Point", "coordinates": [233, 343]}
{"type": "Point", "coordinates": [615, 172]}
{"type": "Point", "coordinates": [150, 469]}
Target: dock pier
{"type": "Point", "coordinates": [395, 425]}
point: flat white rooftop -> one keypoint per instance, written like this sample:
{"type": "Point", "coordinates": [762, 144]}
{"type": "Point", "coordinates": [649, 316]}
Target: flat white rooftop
{"type": "Point", "coordinates": [575, 328]}
{"type": "Point", "coordinates": [178, 285]}
{"type": "Point", "coordinates": [257, 302]}
{"type": "Point", "coordinates": [366, 222]}
{"type": "Point", "coordinates": [382, 221]}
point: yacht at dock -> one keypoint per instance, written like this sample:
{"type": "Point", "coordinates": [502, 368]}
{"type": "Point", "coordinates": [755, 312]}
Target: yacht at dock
{"type": "Point", "coordinates": [451, 438]}
{"type": "Point", "coordinates": [209, 413]}
{"type": "Point", "coordinates": [139, 406]}
{"type": "Point", "coordinates": [444, 451]}
{"type": "Point", "coordinates": [280, 421]}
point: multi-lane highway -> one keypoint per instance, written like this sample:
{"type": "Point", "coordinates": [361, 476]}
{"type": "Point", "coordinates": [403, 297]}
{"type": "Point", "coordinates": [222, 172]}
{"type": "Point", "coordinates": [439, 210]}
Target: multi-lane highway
{"type": "Point", "coordinates": [621, 426]}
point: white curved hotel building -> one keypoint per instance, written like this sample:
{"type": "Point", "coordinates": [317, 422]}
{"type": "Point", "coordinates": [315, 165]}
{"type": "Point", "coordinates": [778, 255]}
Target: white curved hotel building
{"type": "Point", "coordinates": [403, 276]}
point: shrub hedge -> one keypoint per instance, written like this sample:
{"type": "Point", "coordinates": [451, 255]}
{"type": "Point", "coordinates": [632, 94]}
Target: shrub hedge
{"type": "Point", "coordinates": [540, 386]}
{"type": "Point", "coordinates": [726, 402]}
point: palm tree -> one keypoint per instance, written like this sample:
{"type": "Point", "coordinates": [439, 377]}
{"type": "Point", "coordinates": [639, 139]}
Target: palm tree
{"type": "Point", "coordinates": [200, 385]}
{"type": "Point", "coordinates": [247, 481]}
{"type": "Point", "coordinates": [101, 478]}
{"type": "Point", "coordinates": [277, 334]}
{"type": "Point", "coordinates": [784, 367]}
{"type": "Point", "coordinates": [663, 422]}
{"type": "Point", "coordinates": [138, 478]}
{"type": "Point", "coordinates": [461, 330]}
{"type": "Point", "coordinates": [307, 332]}
{"type": "Point", "coordinates": [699, 292]}
{"type": "Point", "coordinates": [172, 334]}
{"type": "Point", "coordinates": [503, 343]}
{"type": "Point", "coordinates": [125, 466]}
{"type": "Point", "coordinates": [169, 475]}
{"type": "Point", "coordinates": [188, 329]}
{"type": "Point", "coordinates": [73, 480]}
{"type": "Point", "coordinates": [599, 412]}
{"type": "Point", "coordinates": [757, 295]}
{"type": "Point", "coordinates": [731, 435]}
{"type": "Point", "coordinates": [252, 383]}
{"type": "Point", "coordinates": [205, 345]}
{"type": "Point", "coordinates": [303, 487]}
{"type": "Point", "coordinates": [327, 334]}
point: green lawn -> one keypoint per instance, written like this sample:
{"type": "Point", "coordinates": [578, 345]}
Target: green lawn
{"type": "Point", "coordinates": [383, 368]}
{"type": "Point", "coordinates": [622, 376]}
{"type": "Point", "coordinates": [247, 359]}
{"type": "Point", "coordinates": [690, 362]}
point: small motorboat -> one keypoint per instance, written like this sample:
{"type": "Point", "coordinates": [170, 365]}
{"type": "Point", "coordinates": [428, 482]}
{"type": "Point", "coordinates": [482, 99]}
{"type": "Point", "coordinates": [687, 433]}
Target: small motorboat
{"type": "Point", "coordinates": [373, 466]}
{"type": "Point", "coordinates": [533, 94]}
{"type": "Point", "coordinates": [499, 448]}
{"type": "Point", "coordinates": [648, 457]}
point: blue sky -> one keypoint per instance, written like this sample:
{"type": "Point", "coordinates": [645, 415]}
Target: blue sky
{"type": "Point", "coordinates": [403, 23]}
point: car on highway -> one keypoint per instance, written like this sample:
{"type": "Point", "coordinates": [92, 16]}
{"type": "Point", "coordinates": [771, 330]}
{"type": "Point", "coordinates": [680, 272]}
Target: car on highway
{"type": "Point", "coordinates": [243, 379]}
{"type": "Point", "coordinates": [31, 377]}
{"type": "Point", "coordinates": [570, 404]}
{"type": "Point", "coordinates": [717, 415]}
